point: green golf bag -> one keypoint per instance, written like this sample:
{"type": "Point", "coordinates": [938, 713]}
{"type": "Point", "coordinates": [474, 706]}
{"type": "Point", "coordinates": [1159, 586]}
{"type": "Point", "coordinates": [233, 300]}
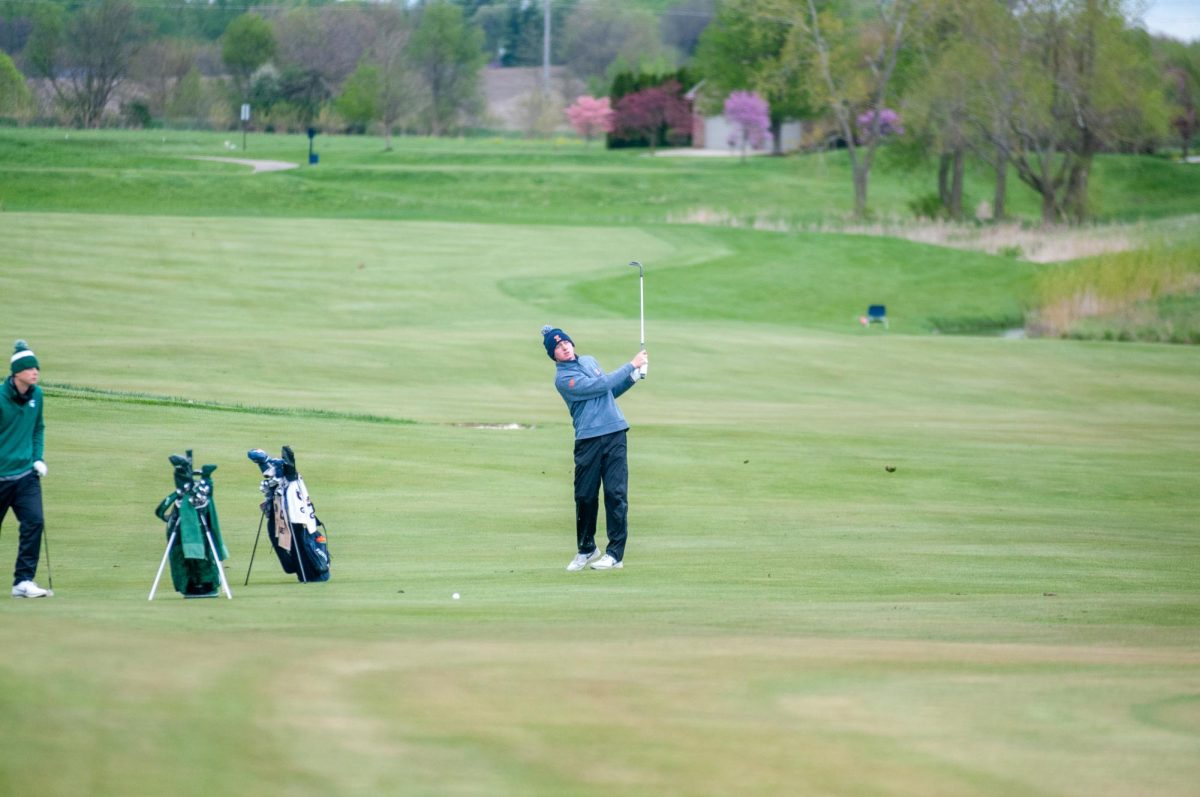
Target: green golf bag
{"type": "Point", "coordinates": [195, 548]}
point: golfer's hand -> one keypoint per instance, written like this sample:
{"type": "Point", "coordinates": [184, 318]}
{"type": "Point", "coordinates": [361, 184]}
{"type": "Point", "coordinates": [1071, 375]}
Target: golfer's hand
{"type": "Point", "coordinates": [640, 360]}
{"type": "Point", "coordinates": [39, 468]}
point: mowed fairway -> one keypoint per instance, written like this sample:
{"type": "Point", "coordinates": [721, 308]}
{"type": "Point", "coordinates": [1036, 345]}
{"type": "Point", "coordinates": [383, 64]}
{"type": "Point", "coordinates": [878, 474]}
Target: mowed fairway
{"type": "Point", "coordinates": [1014, 610]}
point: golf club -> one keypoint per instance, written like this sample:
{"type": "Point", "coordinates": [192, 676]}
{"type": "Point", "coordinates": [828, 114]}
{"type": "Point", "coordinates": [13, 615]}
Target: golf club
{"type": "Point", "coordinates": [49, 574]}
{"type": "Point", "coordinates": [642, 308]}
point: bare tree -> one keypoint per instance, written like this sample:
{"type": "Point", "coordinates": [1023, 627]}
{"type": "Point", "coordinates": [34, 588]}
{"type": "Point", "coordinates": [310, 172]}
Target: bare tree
{"type": "Point", "coordinates": [938, 114]}
{"type": "Point", "coordinates": [447, 53]}
{"type": "Point", "coordinates": [989, 31]}
{"type": "Point", "coordinates": [541, 113]}
{"type": "Point", "coordinates": [1080, 85]}
{"type": "Point", "coordinates": [397, 84]}
{"type": "Point", "coordinates": [682, 24]}
{"type": "Point", "coordinates": [86, 58]}
{"type": "Point", "coordinates": [597, 35]}
{"type": "Point", "coordinates": [159, 67]}
{"type": "Point", "coordinates": [383, 86]}
{"type": "Point", "coordinates": [329, 42]}
{"type": "Point", "coordinates": [844, 61]}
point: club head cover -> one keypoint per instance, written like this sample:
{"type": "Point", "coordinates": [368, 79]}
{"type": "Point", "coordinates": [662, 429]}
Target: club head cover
{"type": "Point", "coordinates": [289, 464]}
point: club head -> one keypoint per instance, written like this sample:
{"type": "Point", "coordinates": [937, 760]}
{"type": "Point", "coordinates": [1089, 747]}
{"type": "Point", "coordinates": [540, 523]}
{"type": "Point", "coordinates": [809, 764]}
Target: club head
{"type": "Point", "coordinates": [641, 270]}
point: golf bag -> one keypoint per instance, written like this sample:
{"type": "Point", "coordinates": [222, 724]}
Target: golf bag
{"type": "Point", "coordinates": [297, 534]}
{"type": "Point", "coordinates": [195, 548]}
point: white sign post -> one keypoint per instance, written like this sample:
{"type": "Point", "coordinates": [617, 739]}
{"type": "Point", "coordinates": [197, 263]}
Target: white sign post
{"type": "Point", "coordinates": [245, 119]}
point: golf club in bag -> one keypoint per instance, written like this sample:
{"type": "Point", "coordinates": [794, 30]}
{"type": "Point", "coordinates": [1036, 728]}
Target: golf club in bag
{"type": "Point", "coordinates": [297, 534]}
{"type": "Point", "coordinates": [194, 545]}
{"type": "Point", "coordinates": [642, 309]}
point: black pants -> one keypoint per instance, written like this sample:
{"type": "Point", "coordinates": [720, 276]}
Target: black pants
{"type": "Point", "coordinates": [601, 460]}
{"type": "Point", "coordinates": [24, 496]}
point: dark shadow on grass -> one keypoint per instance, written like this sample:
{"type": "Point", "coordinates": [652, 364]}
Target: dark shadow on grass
{"type": "Point", "coordinates": [124, 397]}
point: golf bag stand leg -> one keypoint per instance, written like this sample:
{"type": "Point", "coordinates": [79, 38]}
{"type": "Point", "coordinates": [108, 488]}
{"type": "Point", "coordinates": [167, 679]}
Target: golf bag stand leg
{"type": "Point", "coordinates": [254, 550]}
{"type": "Point", "coordinates": [163, 564]}
{"type": "Point", "coordinates": [212, 546]}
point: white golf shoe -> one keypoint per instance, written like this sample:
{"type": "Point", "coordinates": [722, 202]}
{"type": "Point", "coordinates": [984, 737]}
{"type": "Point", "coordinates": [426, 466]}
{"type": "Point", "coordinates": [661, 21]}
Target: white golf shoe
{"type": "Point", "coordinates": [606, 562]}
{"type": "Point", "coordinates": [581, 560]}
{"type": "Point", "coordinates": [27, 589]}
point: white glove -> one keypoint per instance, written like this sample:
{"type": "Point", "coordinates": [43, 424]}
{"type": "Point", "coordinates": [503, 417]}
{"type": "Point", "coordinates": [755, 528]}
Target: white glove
{"type": "Point", "coordinates": [39, 467]}
{"type": "Point", "coordinates": [636, 375]}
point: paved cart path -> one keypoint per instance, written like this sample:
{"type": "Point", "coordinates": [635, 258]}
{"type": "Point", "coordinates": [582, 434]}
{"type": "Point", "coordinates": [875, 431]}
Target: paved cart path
{"type": "Point", "coordinates": [257, 165]}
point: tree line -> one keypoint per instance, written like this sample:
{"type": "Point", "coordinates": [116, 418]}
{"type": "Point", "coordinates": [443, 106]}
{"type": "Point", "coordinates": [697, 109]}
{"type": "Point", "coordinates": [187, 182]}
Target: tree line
{"type": "Point", "coordinates": [1035, 88]}
{"type": "Point", "coordinates": [1032, 88]}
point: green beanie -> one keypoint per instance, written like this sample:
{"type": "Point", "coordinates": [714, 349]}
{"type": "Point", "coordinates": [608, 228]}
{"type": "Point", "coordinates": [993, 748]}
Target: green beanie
{"type": "Point", "coordinates": [22, 357]}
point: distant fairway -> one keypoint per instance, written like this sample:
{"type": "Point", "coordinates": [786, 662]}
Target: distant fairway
{"type": "Point", "coordinates": [1014, 610]}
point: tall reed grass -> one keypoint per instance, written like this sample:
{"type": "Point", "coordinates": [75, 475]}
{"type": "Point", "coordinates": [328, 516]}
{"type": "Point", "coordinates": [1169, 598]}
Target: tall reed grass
{"type": "Point", "coordinates": [1120, 295]}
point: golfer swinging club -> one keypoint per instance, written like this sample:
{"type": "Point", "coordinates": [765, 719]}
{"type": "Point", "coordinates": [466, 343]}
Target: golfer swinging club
{"type": "Point", "coordinates": [22, 433]}
{"type": "Point", "coordinates": [600, 455]}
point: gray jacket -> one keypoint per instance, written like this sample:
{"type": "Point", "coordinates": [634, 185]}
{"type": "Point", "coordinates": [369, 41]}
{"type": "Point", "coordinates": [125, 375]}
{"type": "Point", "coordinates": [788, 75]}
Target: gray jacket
{"type": "Point", "coordinates": [591, 395]}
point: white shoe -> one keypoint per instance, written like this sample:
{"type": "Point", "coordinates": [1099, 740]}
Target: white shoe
{"type": "Point", "coordinates": [606, 562]}
{"type": "Point", "coordinates": [581, 560]}
{"type": "Point", "coordinates": [27, 589]}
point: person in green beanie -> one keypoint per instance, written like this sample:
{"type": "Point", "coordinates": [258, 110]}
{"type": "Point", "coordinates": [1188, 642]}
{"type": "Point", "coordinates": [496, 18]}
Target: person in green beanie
{"type": "Point", "coordinates": [22, 433]}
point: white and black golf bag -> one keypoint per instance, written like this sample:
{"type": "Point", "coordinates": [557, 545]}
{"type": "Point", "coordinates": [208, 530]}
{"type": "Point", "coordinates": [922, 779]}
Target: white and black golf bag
{"type": "Point", "coordinates": [297, 534]}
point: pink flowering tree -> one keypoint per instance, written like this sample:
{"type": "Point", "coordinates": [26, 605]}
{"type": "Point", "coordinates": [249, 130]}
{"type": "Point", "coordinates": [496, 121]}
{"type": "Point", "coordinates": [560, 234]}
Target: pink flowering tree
{"type": "Point", "coordinates": [590, 116]}
{"type": "Point", "coordinates": [885, 123]}
{"type": "Point", "coordinates": [651, 112]}
{"type": "Point", "coordinates": [751, 118]}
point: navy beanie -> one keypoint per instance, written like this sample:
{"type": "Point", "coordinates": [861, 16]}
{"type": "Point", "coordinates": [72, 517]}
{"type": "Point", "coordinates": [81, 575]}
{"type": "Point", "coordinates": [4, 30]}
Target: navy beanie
{"type": "Point", "coordinates": [551, 337]}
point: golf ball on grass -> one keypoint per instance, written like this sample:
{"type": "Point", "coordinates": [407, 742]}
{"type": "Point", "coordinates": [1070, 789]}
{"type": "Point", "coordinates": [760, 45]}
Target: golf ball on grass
{"type": "Point", "coordinates": [454, 596]}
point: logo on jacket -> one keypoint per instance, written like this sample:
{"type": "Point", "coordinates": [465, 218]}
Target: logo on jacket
{"type": "Point", "coordinates": [32, 403]}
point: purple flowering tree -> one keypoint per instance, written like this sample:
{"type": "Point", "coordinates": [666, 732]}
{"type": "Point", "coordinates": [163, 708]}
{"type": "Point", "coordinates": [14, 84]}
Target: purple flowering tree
{"type": "Point", "coordinates": [651, 112]}
{"type": "Point", "coordinates": [751, 118]}
{"type": "Point", "coordinates": [873, 125]}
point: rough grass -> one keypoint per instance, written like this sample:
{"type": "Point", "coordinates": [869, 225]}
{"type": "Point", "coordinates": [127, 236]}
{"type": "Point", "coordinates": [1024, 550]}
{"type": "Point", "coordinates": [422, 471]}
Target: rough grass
{"type": "Point", "coordinates": [1146, 294]}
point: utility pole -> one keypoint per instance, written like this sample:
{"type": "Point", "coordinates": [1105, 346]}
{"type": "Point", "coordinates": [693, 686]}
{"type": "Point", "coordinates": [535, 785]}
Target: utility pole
{"type": "Point", "coordinates": [546, 48]}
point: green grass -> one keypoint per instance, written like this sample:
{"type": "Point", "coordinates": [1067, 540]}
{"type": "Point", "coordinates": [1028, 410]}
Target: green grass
{"type": "Point", "coordinates": [1013, 610]}
{"type": "Point", "coordinates": [503, 180]}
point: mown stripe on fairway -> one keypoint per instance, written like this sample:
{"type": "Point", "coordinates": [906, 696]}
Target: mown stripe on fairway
{"type": "Point", "coordinates": [100, 394]}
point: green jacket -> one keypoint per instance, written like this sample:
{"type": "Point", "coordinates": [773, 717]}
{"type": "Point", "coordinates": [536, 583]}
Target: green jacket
{"type": "Point", "coordinates": [22, 432]}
